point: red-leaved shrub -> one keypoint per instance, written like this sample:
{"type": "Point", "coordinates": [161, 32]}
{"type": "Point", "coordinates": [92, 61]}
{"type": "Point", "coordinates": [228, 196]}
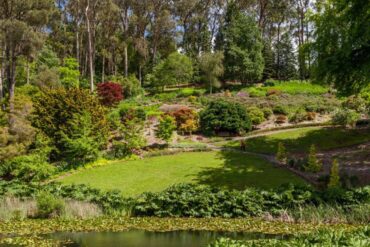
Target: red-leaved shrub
{"type": "Point", "coordinates": [110, 93]}
{"type": "Point", "coordinates": [186, 119]}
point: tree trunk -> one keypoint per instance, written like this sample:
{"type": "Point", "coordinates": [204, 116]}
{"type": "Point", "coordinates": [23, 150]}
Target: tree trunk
{"type": "Point", "coordinates": [278, 52]}
{"type": "Point", "coordinates": [126, 60]}
{"type": "Point", "coordinates": [2, 76]}
{"type": "Point", "coordinates": [90, 50]}
{"type": "Point", "coordinates": [28, 72]}
{"type": "Point", "coordinates": [103, 70]}
{"type": "Point", "coordinates": [1, 85]}
{"type": "Point", "coordinates": [140, 78]}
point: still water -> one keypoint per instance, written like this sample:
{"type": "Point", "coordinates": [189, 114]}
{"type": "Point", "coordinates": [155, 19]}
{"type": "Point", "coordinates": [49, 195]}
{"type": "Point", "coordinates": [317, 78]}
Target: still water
{"type": "Point", "coordinates": [152, 239]}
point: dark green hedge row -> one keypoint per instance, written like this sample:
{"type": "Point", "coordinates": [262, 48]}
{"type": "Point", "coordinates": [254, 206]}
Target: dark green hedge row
{"type": "Point", "coordinates": [196, 201]}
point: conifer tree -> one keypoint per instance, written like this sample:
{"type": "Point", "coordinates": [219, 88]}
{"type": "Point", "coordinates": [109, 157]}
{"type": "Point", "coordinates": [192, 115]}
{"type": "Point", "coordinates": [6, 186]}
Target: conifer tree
{"type": "Point", "coordinates": [313, 164]}
{"type": "Point", "coordinates": [334, 180]}
{"type": "Point", "coordinates": [281, 154]}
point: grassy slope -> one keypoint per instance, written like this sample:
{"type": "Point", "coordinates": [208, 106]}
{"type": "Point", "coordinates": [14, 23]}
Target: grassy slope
{"type": "Point", "coordinates": [300, 140]}
{"type": "Point", "coordinates": [225, 169]}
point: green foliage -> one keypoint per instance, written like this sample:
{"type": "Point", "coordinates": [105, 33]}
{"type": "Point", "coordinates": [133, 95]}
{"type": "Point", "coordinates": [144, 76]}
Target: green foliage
{"type": "Point", "coordinates": [69, 73]}
{"type": "Point", "coordinates": [32, 167]}
{"type": "Point", "coordinates": [224, 116]}
{"type": "Point", "coordinates": [198, 201]}
{"type": "Point", "coordinates": [129, 137]}
{"type": "Point", "coordinates": [282, 110]}
{"type": "Point", "coordinates": [211, 65]}
{"type": "Point", "coordinates": [48, 205]}
{"type": "Point", "coordinates": [313, 164]}
{"type": "Point", "coordinates": [281, 155]}
{"type": "Point", "coordinates": [167, 125]}
{"type": "Point", "coordinates": [57, 113]}
{"type": "Point", "coordinates": [357, 103]}
{"type": "Point", "coordinates": [299, 116]}
{"type": "Point", "coordinates": [346, 117]}
{"type": "Point", "coordinates": [130, 85]}
{"type": "Point", "coordinates": [334, 180]}
{"type": "Point", "coordinates": [240, 39]}
{"type": "Point", "coordinates": [78, 144]}
{"type": "Point", "coordinates": [256, 115]}
{"type": "Point", "coordinates": [327, 238]}
{"type": "Point", "coordinates": [175, 69]}
{"type": "Point", "coordinates": [267, 112]}
{"type": "Point", "coordinates": [256, 92]}
{"type": "Point", "coordinates": [285, 66]}
{"type": "Point", "coordinates": [342, 35]}
{"type": "Point", "coordinates": [47, 69]}
{"type": "Point", "coordinates": [295, 87]}
{"type": "Point", "coordinates": [16, 138]}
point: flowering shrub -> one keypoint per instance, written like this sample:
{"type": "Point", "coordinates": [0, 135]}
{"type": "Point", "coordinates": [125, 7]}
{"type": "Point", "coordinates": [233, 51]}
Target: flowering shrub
{"type": "Point", "coordinates": [110, 93]}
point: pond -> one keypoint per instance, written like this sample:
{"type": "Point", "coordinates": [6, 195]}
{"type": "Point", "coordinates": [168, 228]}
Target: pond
{"type": "Point", "coordinates": [153, 239]}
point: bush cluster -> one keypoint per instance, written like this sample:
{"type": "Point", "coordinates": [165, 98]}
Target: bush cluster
{"type": "Point", "coordinates": [74, 121]}
{"type": "Point", "coordinates": [256, 115]}
{"type": "Point", "coordinates": [196, 201]}
{"type": "Point", "coordinates": [222, 116]}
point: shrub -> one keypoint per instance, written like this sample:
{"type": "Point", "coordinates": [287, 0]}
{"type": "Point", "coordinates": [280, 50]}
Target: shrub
{"type": "Point", "coordinates": [110, 93]}
{"type": "Point", "coordinates": [129, 138]}
{"type": "Point", "coordinates": [56, 111]}
{"type": "Point", "coordinates": [32, 167]}
{"type": "Point", "coordinates": [256, 115]}
{"type": "Point", "coordinates": [79, 146]}
{"type": "Point", "coordinates": [299, 116]}
{"type": "Point", "coordinates": [267, 112]}
{"type": "Point", "coordinates": [224, 116]}
{"type": "Point", "coordinates": [311, 116]}
{"type": "Point", "coordinates": [130, 85]}
{"type": "Point", "coordinates": [192, 99]}
{"type": "Point", "coordinates": [167, 125]}
{"type": "Point", "coordinates": [334, 180]}
{"type": "Point", "coordinates": [197, 201]}
{"type": "Point", "coordinates": [254, 92]}
{"type": "Point", "coordinates": [346, 117]}
{"type": "Point", "coordinates": [280, 119]}
{"type": "Point", "coordinates": [49, 206]}
{"type": "Point", "coordinates": [280, 110]}
{"type": "Point", "coordinates": [186, 119]}
{"type": "Point", "coordinates": [313, 164]}
{"type": "Point", "coordinates": [273, 92]}
{"type": "Point", "coordinates": [281, 154]}
{"type": "Point", "coordinates": [356, 103]}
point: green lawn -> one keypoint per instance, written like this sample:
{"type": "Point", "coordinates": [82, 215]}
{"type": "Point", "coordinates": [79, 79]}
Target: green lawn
{"type": "Point", "coordinates": [229, 170]}
{"type": "Point", "coordinates": [299, 140]}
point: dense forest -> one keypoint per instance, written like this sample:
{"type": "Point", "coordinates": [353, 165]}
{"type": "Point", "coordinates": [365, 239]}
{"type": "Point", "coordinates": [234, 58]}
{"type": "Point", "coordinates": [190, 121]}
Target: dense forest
{"type": "Point", "coordinates": [84, 42]}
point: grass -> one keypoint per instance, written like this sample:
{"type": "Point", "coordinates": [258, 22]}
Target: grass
{"type": "Point", "coordinates": [229, 170]}
{"type": "Point", "coordinates": [289, 87]}
{"type": "Point", "coordinates": [300, 140]}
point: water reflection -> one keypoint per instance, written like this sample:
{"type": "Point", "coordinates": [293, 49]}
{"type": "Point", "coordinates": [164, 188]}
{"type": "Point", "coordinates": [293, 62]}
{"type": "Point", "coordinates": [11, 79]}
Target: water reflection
{"type": "Point", "coordinates": [152, 239]}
